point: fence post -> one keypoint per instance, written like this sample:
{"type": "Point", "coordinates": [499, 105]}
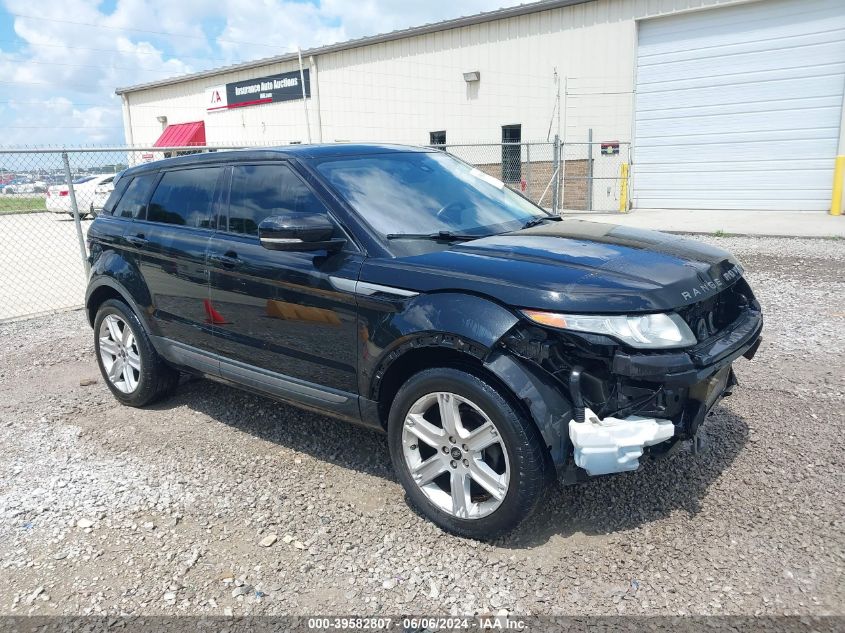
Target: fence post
{"type": "Point", "coordinates": [528, 170]}
{"type": "Point", "coordinates": [589, 192]}
{"type": "Point", "coordinates": [623, 188]}
{"type": "Point", "coordinates": [556, 172]}
{"type": "Point", "coordinates": [76, 219]}
{"type": "Point", "coordinates": [630, 184]}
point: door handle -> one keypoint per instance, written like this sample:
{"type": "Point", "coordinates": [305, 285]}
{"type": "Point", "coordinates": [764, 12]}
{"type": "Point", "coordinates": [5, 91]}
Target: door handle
{"type": "Point", "coordinates": [137, 240]}
{"type": "Point", "coordinates": [227, 260]}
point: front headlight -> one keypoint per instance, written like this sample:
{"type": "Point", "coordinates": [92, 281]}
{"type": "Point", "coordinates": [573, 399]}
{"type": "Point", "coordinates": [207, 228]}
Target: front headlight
{"type": "Point", "coordinates": [646, 331]}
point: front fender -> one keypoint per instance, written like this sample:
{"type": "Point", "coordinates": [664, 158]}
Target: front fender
{"type": "Point", "coordinates": [542, 397]}
{"type": "Point", "coordinates": [467, 323]}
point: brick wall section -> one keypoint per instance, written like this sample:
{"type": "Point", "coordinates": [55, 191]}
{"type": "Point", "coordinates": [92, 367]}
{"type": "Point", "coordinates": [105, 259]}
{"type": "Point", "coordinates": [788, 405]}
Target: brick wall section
{"type": "Point", "coordinates": [575, 185]}
{"type": "Point", "coordinates": [537, 178]}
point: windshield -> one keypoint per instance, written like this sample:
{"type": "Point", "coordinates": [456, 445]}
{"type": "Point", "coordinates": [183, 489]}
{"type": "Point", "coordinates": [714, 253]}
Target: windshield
{"type": "Point", "coordinates": [426, 192]}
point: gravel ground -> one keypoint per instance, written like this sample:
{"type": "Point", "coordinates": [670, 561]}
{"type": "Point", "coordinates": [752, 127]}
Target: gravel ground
{"type": "Point", "coordinates": [218, 502]}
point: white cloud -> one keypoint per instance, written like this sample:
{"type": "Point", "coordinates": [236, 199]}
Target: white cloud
{"type": "Point", "coordinates": [57, 121]}
{"type": "Point", "coordinates": [60, 83]}
{"type": "Point", "coordinates": [368, 17]}
{"type": "Point", "coordinates": [276, 27]}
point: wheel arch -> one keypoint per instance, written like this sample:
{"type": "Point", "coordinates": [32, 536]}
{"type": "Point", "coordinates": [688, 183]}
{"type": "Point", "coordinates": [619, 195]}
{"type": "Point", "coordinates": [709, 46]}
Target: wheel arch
{"type": "Point", "coordinates": [105, 288]}
{"type": "Point", "coordinates": [535, 395]}
{"type": "Point", "coordinates": [418, 354]}
{"type": "Point", "coordinates": [444, 328]}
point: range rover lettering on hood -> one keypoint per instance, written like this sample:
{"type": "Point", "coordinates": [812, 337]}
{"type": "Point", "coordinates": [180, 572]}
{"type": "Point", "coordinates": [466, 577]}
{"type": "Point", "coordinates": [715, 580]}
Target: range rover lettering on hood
{"type": "Point", "coordinates": [713, 286]}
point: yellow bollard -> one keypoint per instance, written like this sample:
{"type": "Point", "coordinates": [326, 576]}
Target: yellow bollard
{"type": "Point", "coordinates": [623, 188]}
{"type": "Point", "coordinates": [836, 196]}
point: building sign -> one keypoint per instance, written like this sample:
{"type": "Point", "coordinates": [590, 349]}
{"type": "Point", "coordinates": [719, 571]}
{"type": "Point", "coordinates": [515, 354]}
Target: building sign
{"type": "Point", "coordinates": [610, 148]}
{"type": "Point", "coordinates": [272, 89]}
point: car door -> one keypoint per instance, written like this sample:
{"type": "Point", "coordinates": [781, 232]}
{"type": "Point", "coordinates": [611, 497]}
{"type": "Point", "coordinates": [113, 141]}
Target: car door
{"type": "Point", "coordinates": [171, 239]}
{"type": "Point", "coordinates": [278, 312]}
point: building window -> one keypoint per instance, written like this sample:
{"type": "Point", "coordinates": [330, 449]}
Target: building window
{"type": "Point", "coordinates": [511, 153]}
{"type": "Point", "coordinates": [437, 138]}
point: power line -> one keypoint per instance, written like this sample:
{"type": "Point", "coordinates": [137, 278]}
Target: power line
{"type": "Point", "coordinates": [53, 83]}
{"type": "Point", "coordinates": [47, 83]}
{"type": "Point", "coordinates": [123, 52]}
{"type": "Point", "coordinates": [204, 38]}
{"type": "Point", "coordinates": [134, 68]}
{"type": "Point", "coordinates": [62, 127]}
{"type": "Point", "coordinates": [42, 102]}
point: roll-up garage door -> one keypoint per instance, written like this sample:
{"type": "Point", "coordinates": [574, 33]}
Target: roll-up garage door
{"type": "Point", "coordinates": [740, 107]}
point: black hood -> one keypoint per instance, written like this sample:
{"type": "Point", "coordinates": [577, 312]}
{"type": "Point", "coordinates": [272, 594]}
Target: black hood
{"type": "Point", "coordinates": [571, 265]}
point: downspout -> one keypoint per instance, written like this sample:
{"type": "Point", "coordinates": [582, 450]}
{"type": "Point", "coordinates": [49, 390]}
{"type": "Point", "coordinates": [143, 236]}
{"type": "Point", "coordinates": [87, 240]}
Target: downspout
{"type": "Point", "coordinates": [315, 95]}
{"type": "Point", "coordinates": [127, 129]}
{"type": "Point", "coordinates": [127, 121]}
{"type": "Point", "coordinates": [304, 100]}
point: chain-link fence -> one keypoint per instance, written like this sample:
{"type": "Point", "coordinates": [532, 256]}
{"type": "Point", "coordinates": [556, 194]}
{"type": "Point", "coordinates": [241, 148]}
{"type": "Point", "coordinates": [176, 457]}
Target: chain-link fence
{"type": "Point", "coordinates": [41, 267]}
{"type": "Point", "coordinates": [43, 259]}
{"type": "Point", "coordinates": [571, 177]}
{"type": "Point", "coordinates": [526, 167]}
{"type": "Point", "coordinates": [595, 176]}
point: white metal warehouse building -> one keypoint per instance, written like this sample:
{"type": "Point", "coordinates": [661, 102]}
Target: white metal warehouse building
{"type": "Point", "coordinates": [727, 104]}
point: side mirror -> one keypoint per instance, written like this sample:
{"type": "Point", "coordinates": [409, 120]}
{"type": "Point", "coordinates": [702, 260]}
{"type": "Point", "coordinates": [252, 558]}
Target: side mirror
{"type": "Point", "coordinates": [298, 232]}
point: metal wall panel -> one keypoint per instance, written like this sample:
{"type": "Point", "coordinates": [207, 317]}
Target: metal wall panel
{"type": "Point", "coordinates": [400, 90]}
{"type": "Point", "coordinates": [740, 107]}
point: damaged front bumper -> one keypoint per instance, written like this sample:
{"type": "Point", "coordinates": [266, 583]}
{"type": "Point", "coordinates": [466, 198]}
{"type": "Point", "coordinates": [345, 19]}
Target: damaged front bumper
{"type": "Point", "coordinates": [607, 406]}
{"type": "Point", "coordinates": [614, 445]}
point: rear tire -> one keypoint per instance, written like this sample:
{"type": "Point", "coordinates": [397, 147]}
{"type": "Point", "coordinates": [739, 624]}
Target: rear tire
{"type": "Point", "coordinates": [477, 470]}
{"type": "Point", "coordinates": [132, 369]}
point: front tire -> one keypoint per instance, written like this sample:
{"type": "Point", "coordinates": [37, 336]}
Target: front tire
{"type": "Point", "coordinates": [132, 369]}
{"type": "Point", "coordinates": [469, 460]}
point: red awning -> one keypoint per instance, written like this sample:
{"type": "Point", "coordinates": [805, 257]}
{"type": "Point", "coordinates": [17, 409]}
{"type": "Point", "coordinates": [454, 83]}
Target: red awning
{"type": "Point", "coordinates": [182, 135]}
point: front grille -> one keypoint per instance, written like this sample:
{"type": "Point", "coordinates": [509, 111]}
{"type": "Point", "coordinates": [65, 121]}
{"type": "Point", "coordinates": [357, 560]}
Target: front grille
{"type": "Point", "coordinates": [712, 315]}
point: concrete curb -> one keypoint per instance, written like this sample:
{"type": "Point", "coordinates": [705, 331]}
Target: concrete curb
{"type": "Point", "coordinates": [782, 224]}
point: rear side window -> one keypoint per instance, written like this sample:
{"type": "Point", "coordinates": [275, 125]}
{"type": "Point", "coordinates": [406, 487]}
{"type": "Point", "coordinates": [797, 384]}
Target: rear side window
{"type": "Point", "coordinates": [185, 197]}
{"type": "Point", "coordinates": [262, 191]}
{"type": "Point", "coordinates": [133, 202]}
{"type": "Point", "coordinates": [115, 195]}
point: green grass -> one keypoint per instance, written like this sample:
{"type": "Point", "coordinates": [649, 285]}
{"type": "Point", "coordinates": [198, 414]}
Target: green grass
{"type": "Point", "coordinates": [10, 205]}
{"type": "Point", "coordinates": [721, 233]}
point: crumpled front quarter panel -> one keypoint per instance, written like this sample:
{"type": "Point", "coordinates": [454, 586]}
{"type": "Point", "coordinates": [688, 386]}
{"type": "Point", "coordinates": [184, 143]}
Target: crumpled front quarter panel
{"type": "Point", "coordinates": [389, 325]}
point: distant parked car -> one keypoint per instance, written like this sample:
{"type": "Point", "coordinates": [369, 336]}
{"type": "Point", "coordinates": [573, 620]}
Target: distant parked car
{"type": "Point", "coordinates": [101, 194]}
{"type": "Point", "coordinates": [25, 185]}
{"type": "Point", "coordinates": [85, 188]}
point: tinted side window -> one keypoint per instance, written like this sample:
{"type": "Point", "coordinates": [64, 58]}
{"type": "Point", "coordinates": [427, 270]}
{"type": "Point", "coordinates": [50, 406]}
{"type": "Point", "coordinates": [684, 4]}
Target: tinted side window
{"type": "Point", "coordinates": [133, 202]}
{"type": "Point", "coordinates": [184, 197]}
{"type": "Point", "coordinates": [261, 191]}
{"type": "Point", "coordinates": [115, 195]}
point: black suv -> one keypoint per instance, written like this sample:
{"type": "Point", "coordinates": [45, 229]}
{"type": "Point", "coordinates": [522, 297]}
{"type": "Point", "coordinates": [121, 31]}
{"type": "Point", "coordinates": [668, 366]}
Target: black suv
{"type": "Point", "coordinates": [499, 347]}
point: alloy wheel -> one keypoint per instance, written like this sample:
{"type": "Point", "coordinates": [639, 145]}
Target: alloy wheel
{"type": "Point", "coordinates": [455, 455]}
{"type": "Point", "coordinates": [119, 353]}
